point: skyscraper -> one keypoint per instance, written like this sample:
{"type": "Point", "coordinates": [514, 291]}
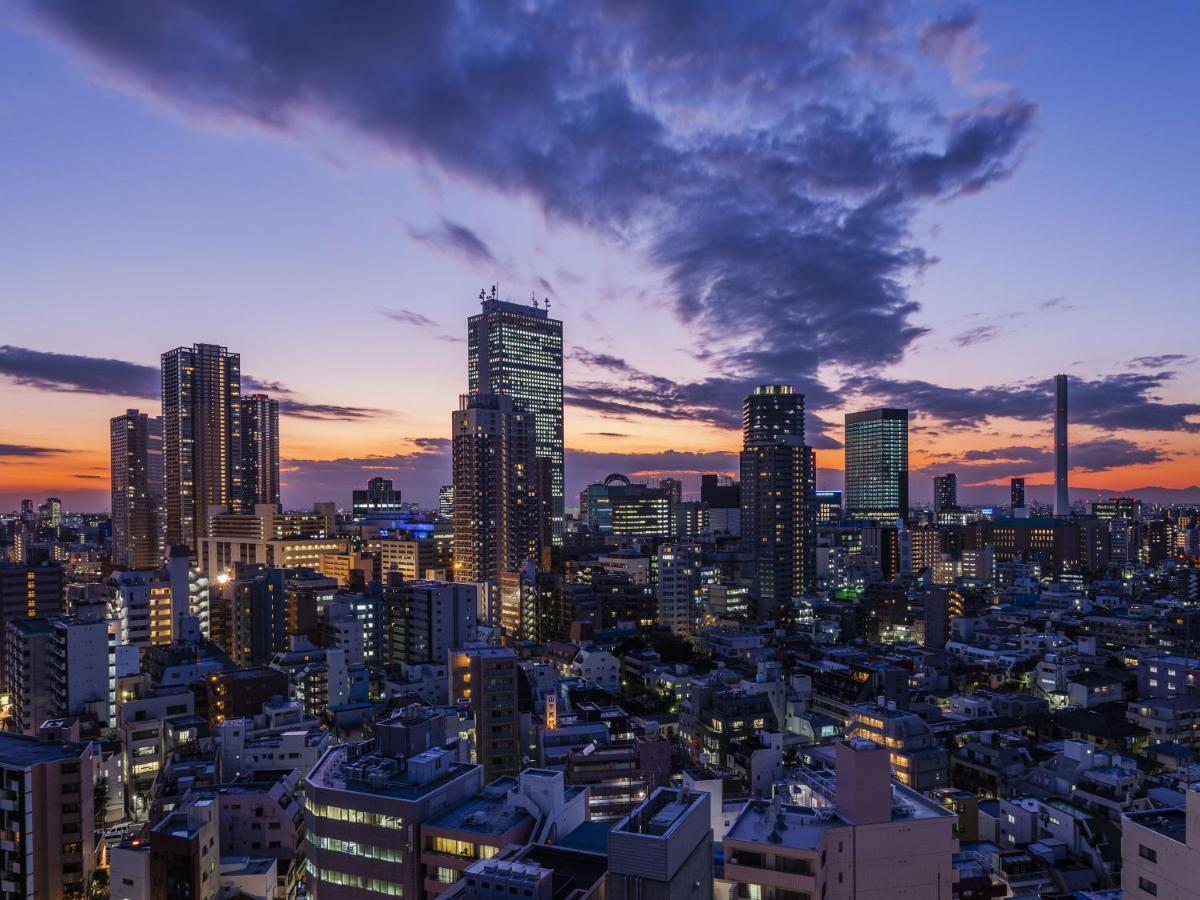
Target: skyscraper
{"type": "Point", "coordinates": [202, 437]}
{"type": "Point", "coordinates": [136, 461]}
{"type": "Point", "coordinates": [516, 351]}
{"type": "Point", "coordinates": [877, 464]}
{"type": "Point", "coordinates": [498, 521]}
{"type": "Point", "coordinates": [778, 479]}
{"type": "Point", "coordinates": [1016, 490]}
{"type": "Point", "coordinates": [945, 492]}
{"type": "Point", "coordinates": [1062, 500]}
{"type": "Point", "coordinates": [260, 451]}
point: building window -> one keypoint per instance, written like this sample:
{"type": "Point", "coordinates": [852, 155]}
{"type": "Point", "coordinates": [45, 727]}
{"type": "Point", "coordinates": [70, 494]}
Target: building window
{"type": "Point", "coordinates": [1148, 886]}
{"type": "Point", "coordinates": [1147, 853]}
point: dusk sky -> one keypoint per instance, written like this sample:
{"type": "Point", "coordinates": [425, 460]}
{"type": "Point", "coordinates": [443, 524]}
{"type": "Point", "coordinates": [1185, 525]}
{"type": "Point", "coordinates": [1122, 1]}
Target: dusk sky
{"type": "Point", "coordinates": [923, 205]}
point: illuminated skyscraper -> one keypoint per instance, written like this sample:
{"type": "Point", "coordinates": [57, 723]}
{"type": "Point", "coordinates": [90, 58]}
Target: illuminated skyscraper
{"type": "Point", "coordinates": [202, 438]}
{"type": "Point", "coordinates": [260, 451]}
{"type": "Point", "coordinates": [945, 492]}
{"type": "Point", "coordinates": [135, 441]}
{"type": "Point", "coordinates": [1062, 500]}
{"type": "Point", "coordinates": [498, 522]}
{"type": "Point", "coordinates": [877, 464]}
{"type": "Point", "coordinates": [1016, 491]}
{"type": "Point", "coordinates": [516, 351]}
{"type": "Point", "coordinates": [778, 479]}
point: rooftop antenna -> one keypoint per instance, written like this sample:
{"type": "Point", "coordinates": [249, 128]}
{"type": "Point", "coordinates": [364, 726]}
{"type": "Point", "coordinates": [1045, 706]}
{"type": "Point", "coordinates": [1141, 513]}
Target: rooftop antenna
{"type": "Point", "coordinates": [495, 292]}
{"type": "Point", "coordinates": [533, 299]}
{"type": "Point", "coordinates": [482, 296]}
{"type": "Point", "coordinates": [547, 302]}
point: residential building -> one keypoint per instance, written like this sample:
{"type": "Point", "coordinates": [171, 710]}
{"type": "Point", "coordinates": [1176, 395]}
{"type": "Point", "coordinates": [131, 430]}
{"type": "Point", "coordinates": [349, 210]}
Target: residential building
{"type": "Point", "coordinates": [425, 620]}
{"type": "Point", "coordinates": [260, 451]}
{"type": "Point", "coordinates": [678, 587]}
{"type": "Point", "coordinates": [201, 438]}
{"type": "Point", "coordinates": [1160, 851]}
{"type": "Point", "coordinates": [487, 677]}
{"type": "Point", "coordinates": [136, 485]}
{"type": "Point", "coordinates": [662, 850]}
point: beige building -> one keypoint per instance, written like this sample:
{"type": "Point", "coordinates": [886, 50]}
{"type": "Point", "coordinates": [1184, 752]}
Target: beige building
{"type": "Point", "coordinates": [858, 836]}
{"type": "Point", "coordinates": [1160, 851]}
{"type": "Point", "coordinates": [283, 540]}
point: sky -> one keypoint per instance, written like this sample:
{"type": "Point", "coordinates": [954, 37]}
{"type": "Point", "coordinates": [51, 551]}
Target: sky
{"type": "Point", "coordinates": [925, 205]}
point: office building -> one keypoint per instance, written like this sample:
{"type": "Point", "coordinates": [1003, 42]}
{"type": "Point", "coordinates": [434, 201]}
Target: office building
{"type": "Point", "coordinates": [622, 508]}
{"type": "Point", "coordinates": [425, 620]}
{"type": "Point", "coordinates": [945, 492]}
{"type": "Point", "coordinates": [260, 451]}
{"type": "Point", "coordinates": [202, 438]}
{"type": "Point", "coordinates": [498, 521]}
{"type": "Point", "coordinates": [136, 461]}
{"type": "Point", "coordinates": [366, 801]}
{"type": "Point", "coordinates": [47, 817]}
{"type": "Point", "coordinates": [663, 849]}
{"type": "Point", "coordinates": [517, 351]}
{"type": "Point", "coordinates": [854, 836]}
{"type": "Point", "coordinates": [1016, 493]}
{"type": "Point", "coordinates": [380, 501]}
{"type": "Point", "coordinates": [778, 478]}
{"type": "Point", "coordinates": [487, 678]}
{"type": "Point", "coordinates": [679, 568]}
{"type": "Point", "coordinates": [877, 464]}
{"type": "Point", "coordinates": [409, 559]}
{"type": "Point", "coordinates": [1062, 499]}
{"type": "Point", "coordinates": [828, 506]}
{"type": "Point", "coordinates": [30, 694]}
{"type": "Point", "coordinates": [266, 536]}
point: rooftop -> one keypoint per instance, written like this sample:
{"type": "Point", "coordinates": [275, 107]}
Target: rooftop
{"type": "Point", "coordinates": [22, 751]}
{"type": "Point", "coordinates": [488, 812]}
{"type": "Point", "coordinates": [1170, 823]}
{"type": "Point", "coordinates": [341, 769]}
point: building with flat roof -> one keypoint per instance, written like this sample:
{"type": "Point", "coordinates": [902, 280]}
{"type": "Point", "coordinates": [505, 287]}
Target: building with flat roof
{"type": "Point", "coordinates": [1160, 851]}
{"type": "Point", "coordinates": [366, 802]}
{"type": "Point", "coordinates": [854, 834]}
{"type": "Point", "coordinates": [663, 849]}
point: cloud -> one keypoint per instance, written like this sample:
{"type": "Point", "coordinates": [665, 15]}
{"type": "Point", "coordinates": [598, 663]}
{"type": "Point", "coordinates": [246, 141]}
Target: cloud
{"type": "Point", "coordinates": [1098, 455]}
{"type": "Point", "coordinates": [406, 317]}
{"type": "Point", "coordinates": [1161, 361]}
{"type": "Point", "coordinates": [78, 374]}
{"type": "Point", "coordinates": [457, 238]}
{"type": "Point", "coordinates": [980, 334]}
{"type": "Point", "coordinates": [91, 477]}
{"type": "Point", "coordinates": [954, 41]}
{"type": "Point", "coordinates": [96, 375]}
{"type": "Point", "coordinates": [727, 144]}
{"type": "Point", "coordinates": [23, 451]}
{"type": "Point", "coordinates": [1124, 401]}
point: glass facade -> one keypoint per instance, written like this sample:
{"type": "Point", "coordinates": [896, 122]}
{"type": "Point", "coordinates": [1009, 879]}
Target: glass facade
{"type": "Point", "coordinates": [877, 464]}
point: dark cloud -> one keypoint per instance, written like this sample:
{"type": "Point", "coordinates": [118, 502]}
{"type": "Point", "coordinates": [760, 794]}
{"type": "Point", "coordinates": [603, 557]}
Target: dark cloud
{"type": "Point", "coordinates": [457, 238]}
{"type": "Point", "coordinates": [95, 375]}
{"type": "Point", "coordinates": [939, 37]}
{"type": "Point", "coordinates": [78, 374]}
{"type": "Point", "coordinates": [1126, 401]}
{"type": "Point", "coordinates": [91, 477]}
{"type": "Point", "coordinates": [610, 434]}
{"type": "Point", "coordinates": [1099, 455]}
{"type": "Point", "coordinates": [727, 142]}
{"type": "Point", "coordinates": [406, 317]}
{"type": "Point", "coordinates": [15, 451]}
{"type": "Point", "coordinates": [980, 334]}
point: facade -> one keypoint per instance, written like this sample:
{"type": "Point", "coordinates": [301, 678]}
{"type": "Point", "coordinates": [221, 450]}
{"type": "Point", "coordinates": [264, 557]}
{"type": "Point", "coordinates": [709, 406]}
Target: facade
{"type": "Point", "coordinates": [679, 587]}
{"type": "Point", "coordinates": [365, 807]}
{"type": "Point", "coordinates": [265, 536]}
{"type": "Point", "coordinates": [1160, 851]}
{"type": "Point", "coordinates": [778, 480]}
{"type": "Point", "coordinates": [202, 438]}
{"type": "Point", "coordinates": [30, 694]}
{"type": "Point", "coordinates": [30, 591]}
{"type": "Point", "coordinates": [260, 451]}
{"type": "Point", "coordinates": [856, 836]}
{"type": "Point", "coordinates": [945, 492]}
{"type": "Point", "coordinates": [877, 464]}
{"type": "Point", "coordinates": [380, 501]}
{"type": "Point", "coordinates": [427, 619]}
{"type": "Point", "coordinates": [662, 850]}
{"type": "Point", "coordinates": [498, 521]}
{"type": "Point", "coordinates": [47, 812]}
{"type": "Point", "coordinates": [1016, 492]}
{"type": "Point", "coordinates": [140, 603]}
{"type": "Point", "coordinates": [138, 517]}
{"type": "Point", "coordinates": [517, 351]}
{"type": "Point", "coordinates": [487, 678]}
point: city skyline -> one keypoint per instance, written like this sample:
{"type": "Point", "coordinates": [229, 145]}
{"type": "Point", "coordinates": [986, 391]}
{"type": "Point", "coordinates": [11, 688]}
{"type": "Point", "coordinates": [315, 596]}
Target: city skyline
{"type": "Point", "coordinates": [353, 256]}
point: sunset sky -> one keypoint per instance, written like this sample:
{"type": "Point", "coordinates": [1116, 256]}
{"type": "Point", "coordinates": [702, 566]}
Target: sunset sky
{"type": "Point", "coordinates": [922, 205]}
